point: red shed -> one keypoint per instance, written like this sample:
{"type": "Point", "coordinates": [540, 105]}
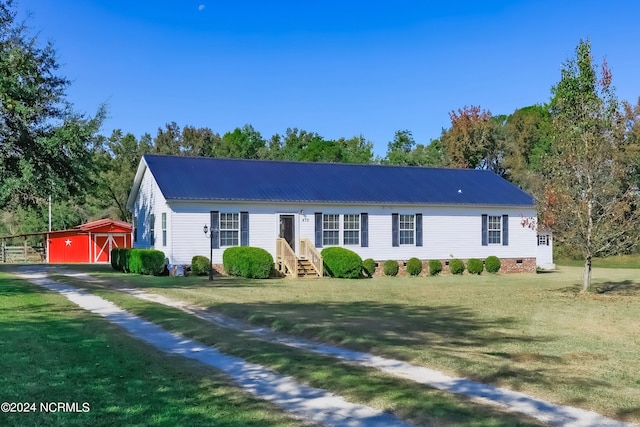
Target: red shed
{"type": "Point", "coordinates": [91, 242]}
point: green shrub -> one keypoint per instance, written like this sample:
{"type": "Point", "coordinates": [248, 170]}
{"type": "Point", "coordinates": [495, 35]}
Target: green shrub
{"type": "Point", "coordinates": [200, 265]}
{"type": "Point", "coordinates": [114, 258]}
{"type": "Point", "coordinates": [247, 261]}
{"type": "Point", "coordinates": [475, 266]}
{"type": "Point", "coordinates": [390, 267]}
{"type": "Point", "coordinates": [414, 266]}
{"type": "Point", "coordinates": [342, 263]}
{"type": "Point", "coordinates": [456, 266]}
{"type": "Point", "coordinates": [369, 267]}
{"type": "Point", "coordinates": [492, 264]}
{"type": "Point", "coordinates": [124, 254]}
{"type": "Point", "coordinates": [146, 261]}
{"type": "Point", "coordinates": [435, 267]}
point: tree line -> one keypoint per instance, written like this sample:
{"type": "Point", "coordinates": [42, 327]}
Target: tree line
{"type": "Point", "coordinates": [578, 154]}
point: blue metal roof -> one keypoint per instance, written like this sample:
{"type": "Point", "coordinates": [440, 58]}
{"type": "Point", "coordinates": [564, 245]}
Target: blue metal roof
{"type": "Point", "coordinates": [202, 178]}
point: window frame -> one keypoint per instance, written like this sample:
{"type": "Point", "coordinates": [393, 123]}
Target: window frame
{"type": "Point", "coordinates": [164, 228]}
{"type": "Point", "coordinates": [543, 240]}
{"type": "Point", "coordinates": [406, 236]}
{"type": "Point", "coordinates": [494, 234]}
{"type": "Point", "coordinates": [330, 235]}
{"type": "Point", "coordinates": [152, 229]}
{"type": "Point", "coordinates": [229, 229]}
{"type": "Point", "coordinates": [354, 223]}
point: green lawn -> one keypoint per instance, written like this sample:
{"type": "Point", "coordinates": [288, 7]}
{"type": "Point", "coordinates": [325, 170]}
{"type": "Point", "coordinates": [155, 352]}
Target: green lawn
{"type": "Point", "coordinates": [532, 333]}
{"type": "Point", "coordinates": [52, 351]}
{"type": "Point", "coordinates": [620, 261]}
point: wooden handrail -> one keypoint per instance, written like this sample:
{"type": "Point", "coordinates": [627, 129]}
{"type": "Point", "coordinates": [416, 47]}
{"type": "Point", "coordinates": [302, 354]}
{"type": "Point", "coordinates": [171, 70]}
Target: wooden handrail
{"type": "Point", "coordinates": [285, 255]}
{"type": "Point", "coordinates": [309, 251]}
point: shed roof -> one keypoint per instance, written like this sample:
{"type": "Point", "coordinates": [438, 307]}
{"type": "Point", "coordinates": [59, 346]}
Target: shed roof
{"type": "Point", "coordinates": [215, 179]}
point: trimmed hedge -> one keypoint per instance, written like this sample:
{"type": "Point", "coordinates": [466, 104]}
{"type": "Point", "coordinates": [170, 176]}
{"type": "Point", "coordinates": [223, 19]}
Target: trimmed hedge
{"type": "Point", "coordinates": [475, 266]}
{"type": "Point", "coordinates": [114, 259]}
{"type": "Point", "coordinates": [342, 263]}
{"type": "Point", "coordinates": [391, 267]}
{"type": "Point", "coordinates": [146, 261]}
{"type": "Point", "coordinates": [435, 267]}
{"type": "Point", "coordinates": [247, 261]}
{"type": "Point", "coordinates": [414, 266]}
{"type": "Point", "coordinates": [369, 267]}
{"type": "Point", "coordinates": [124, 254]}
{"type": "Point", "coordinates": [200, 265]}
{"type": "Point", "coordinates": [456, 266]}
{"type": "Point", "coordinates": [141, 261]}
{"type": "Point", "coordinates": [492, 264]}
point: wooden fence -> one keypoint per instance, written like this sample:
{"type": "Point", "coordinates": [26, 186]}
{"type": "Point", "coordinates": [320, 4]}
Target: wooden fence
{"type": "Point", "coordinates": [23, 253]}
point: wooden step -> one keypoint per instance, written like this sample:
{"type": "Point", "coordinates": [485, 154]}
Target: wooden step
{"type": "Point", "coordinates": [305, 269]}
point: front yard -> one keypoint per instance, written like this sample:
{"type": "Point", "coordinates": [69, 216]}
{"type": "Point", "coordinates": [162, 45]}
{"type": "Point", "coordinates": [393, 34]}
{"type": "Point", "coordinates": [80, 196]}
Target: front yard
{"type": "Point", "coordinates": [531, 333]}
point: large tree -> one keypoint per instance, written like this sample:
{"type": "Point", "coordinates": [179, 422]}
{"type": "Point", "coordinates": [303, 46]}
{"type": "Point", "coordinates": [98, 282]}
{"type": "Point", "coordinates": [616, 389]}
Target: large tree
{"type": "Point", "coordinates": [45, 147]}
{"type": "Point", "coordinates": [474, 140]}
{"type": "Point", "coordinates": [590, 196]}
{"type": "Point", "coordinates": [117, 162]}
{"type": "Point", "coordinates": [527, 140]}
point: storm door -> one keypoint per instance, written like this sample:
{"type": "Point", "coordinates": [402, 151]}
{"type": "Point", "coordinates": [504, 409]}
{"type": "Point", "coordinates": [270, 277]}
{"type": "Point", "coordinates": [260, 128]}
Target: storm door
{"type": "Point", "coordinates": [287, 230]}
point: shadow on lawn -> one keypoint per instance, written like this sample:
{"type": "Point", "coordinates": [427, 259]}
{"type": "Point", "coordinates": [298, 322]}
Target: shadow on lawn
{"type": "Point", "coordinates": [393, 324]}
{"type": "Point", "coordinates": [626, 287]}
{"type": "Point", "coordinates": [456, 336]}
{"type": "Point", "coordinates": [622, 288]}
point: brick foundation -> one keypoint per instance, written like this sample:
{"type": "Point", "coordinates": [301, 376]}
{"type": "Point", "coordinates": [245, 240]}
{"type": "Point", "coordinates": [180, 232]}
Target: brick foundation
{"type": "Point", "coordinates": [508, 266]}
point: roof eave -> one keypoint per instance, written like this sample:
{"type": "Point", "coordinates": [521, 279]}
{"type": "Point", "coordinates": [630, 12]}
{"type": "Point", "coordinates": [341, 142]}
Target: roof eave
{"type": "Point", "coordinates": [342, 202]}
{"type": "Point", "coordinates": [137, 182]}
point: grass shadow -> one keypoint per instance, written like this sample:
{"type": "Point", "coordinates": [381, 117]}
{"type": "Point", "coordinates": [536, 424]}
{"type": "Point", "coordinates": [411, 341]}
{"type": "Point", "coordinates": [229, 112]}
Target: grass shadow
{"type": "Point", "coordinates": [625, 287]}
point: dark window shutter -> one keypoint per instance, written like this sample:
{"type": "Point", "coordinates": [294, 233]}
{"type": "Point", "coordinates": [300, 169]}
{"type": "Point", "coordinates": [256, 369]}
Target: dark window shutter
{"type": "Point", "coordinates": [418, 229]}
{"type": "Point", "coordinates": [548, 238]}
{"type": "Point", "coordinates": [244, 228]}
{"type": "Point", "coordinates": [215, 230]}
{"type": "Point", "coordinates": [364, 230]}
{"type": "Point", "coordinates": [505, 230]}
{"type": "Point", "coordinates": [485, 225]}
{"type": "Point", "coordinates": [318, 229]}
{"type": "Point", "coordinates": [395, 230]}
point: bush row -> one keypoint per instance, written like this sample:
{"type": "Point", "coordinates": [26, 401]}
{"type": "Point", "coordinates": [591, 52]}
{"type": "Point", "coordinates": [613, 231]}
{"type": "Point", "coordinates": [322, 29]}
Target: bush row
{"type": "Point", "coordinates": [475, 265]}
{"type": "Point", "coordinates": [344, 263]}
{"type": "Point", "coordinates": [252, 262]}
{"type": "Point", "coordinates": [140, 261]}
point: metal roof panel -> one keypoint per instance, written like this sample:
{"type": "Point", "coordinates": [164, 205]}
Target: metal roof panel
{"type": "Point", "coordinates": [202, 178]}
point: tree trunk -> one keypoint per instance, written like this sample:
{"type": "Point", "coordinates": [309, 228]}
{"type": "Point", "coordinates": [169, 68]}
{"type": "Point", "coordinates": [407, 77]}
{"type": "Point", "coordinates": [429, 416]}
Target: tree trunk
{"type": "Point", "coordinates": [586, 282]}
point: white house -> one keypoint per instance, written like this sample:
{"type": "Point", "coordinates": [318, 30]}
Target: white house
{"type": "Point", "coordinates": [294, 209]}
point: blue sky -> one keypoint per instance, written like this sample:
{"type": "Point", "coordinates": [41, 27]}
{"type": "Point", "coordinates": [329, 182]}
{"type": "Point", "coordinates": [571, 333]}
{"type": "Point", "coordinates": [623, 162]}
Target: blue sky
{"type": "Point", "coordinates": [338, 68]}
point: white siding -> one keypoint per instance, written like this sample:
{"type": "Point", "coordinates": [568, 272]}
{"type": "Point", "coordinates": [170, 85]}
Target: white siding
{"type": "Point", "coordinates": [447, 231]}
{"type": "Point", "coordinates": [150, 201]}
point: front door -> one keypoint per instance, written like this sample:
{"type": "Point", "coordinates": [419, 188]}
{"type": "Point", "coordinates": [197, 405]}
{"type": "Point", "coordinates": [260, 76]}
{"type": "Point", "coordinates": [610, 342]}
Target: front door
{"type": "Point", "coordinates": [287, 230]}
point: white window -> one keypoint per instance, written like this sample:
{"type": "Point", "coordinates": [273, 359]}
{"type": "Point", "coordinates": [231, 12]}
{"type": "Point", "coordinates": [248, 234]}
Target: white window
{"type": "Point", "coordinates": [494, 230]}
{"type": "Point", "coordinates": [351, 227]}
{"type": "Point", "coordinates": [407, 229]}
{"type": "Point", "coordinates": [164, 229]}
{"type": "Point", "coordinates": [330, 230]}
{"type": "Point", "coordinates": [229, 229]}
